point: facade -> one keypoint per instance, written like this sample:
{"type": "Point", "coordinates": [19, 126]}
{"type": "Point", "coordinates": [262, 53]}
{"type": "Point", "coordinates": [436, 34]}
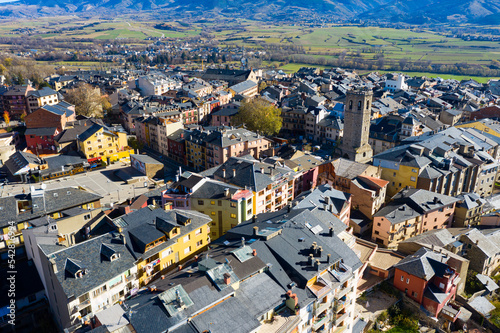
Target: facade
{"type": "Point", "coordinates": [208, 148]}
{"type": "Point", "coordinates": [321, 264]}
{"type": "Point", "coordinates": [362, 181]}
{"type": "Point", "coordinates": [147, 165]}
{"type": "Point", "coordinates": [18, 212]}
{"type": "Point", "coordinates": [396, 82]}
{"type": "Point", "coordinates": [426, 278]}
{"type": "Point", "coordinates": [272, 186]}
{"type": "Point", "coordinates": [441, 165]}
{"type": "Point", "coordinates": [481, 249]}
{"type": "Point", "coordinates": [410, 213]}
{"type": "Point", "coordinates": [85, 278]}
{"type": "Point", "coordinates": [101, 143]}
{"type": "Point", "coordinates": [246, 88]}
{"type": "Point", "coordinates": [156, 84]}
{"type": "Point", "coordinates": [355, 142]}
{"type": "Point", "coordinates": [226, 205]}
{"type": "Point", "coordinates": [469, 210]}
{"type": "Point", "coordinates": [39, 98]}
{"type": "Point", "coordinates": [324, 197]}
{"type": "Point", "coordinates": [154, 132]}
{"type": "Point", "coordinates": [160, 239]}
{"type": "Point", "coordinates": [14, 101]}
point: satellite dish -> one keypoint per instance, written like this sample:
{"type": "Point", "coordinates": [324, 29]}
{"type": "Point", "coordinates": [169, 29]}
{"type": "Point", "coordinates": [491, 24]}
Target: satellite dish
{"type": "Point", "coordinates": [44, 186]}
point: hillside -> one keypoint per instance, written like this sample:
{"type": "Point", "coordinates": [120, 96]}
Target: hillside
{"type": "Point", "coordinates": [410, 11]}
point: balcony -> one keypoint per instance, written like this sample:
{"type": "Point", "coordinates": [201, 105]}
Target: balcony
{"type": "Point", "coordinates": [339, 318]}
{"type": "Point", "coordinates": [451, 311]}
{"type": "Point", "coordinates": [84, 304]}
{"type": "Point", "coordinates": [283, 322]}
{"type": "Point", "coordinates": [342, 272]}
{"type": "Point", "coordinates": [318, 323]}
{"type": "Point", "coordinates": [322, 307]}
{"type": "Point", "coordinates": [131, 277]}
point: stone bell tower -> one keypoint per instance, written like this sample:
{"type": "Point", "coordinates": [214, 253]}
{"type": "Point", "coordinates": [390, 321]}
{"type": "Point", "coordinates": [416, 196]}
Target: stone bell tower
{"type": "Point", "coordinates": [357, 113]}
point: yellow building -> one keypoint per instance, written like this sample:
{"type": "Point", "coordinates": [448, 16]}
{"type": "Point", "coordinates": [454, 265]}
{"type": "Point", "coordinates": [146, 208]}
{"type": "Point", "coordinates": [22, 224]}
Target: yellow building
{"type": "Point", "coordinates": [400, 178]}
{"type": "Point", "coordinates": [488, 126]}
{"type": "Point", "coordinates": [161, 239]}
{"type": "Point", "coordinates": [99, 142]}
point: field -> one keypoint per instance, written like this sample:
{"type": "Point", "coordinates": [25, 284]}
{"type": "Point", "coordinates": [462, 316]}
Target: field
{"type": "Point", "coordinates": [328, 42]}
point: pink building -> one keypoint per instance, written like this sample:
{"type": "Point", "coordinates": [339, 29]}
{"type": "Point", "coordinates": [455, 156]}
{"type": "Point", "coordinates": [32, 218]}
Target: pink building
{"type": "Point", "coordinates": [410, 213]}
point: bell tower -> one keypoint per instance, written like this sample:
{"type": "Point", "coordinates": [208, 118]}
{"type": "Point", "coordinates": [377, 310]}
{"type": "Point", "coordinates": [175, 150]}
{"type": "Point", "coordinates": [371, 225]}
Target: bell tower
{"type": "Point", "coordinates": [357, 113]}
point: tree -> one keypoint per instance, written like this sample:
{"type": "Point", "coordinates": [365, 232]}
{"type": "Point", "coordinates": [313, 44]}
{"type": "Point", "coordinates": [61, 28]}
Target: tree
{"type": "Point", "coordinates": [260, 116]}
{"type": "Point", "coordinates": [87, 100]}
{"type": "Point", "coordinates": [106, 104]}
{"type": "Point", "coordinates": [6, 118]}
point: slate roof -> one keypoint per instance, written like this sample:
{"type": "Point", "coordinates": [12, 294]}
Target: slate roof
{"type": "Point", "coordinates": [87, 255]}
{"type": "Point", "coordinates": [317, 199]}
{"type": "Point", "coordinates": [248, 173]}
{"type": "Point", "coordinates": [348, 169]}
{"type": "Point", "coordinates": [20, 160]}
{"type": "Point", "coordinates": [41, 131]}
{"type": "Point", "coordinates": [292, 247]}
{"type": "Point", "coordinates": [482, 305]}
{"type": "Point", "coordinates": [145, 159]}
{"type": "Point", "coordinates": [243, 86]}
{"type": "Point", "coordinates": [437, 237]}
{"type": "Point", "coordinates": [141, 227]}
{"type": "Point", "coordinates": [45, 91]}
{"type": "Point", "coordinates": [417, 200]}
{"type": "Point", "coordinates": [55, 201]}
{"type": "Point", "coordinates": [487, 282]}
{"type": "Point", "coordinates": [423, 264]}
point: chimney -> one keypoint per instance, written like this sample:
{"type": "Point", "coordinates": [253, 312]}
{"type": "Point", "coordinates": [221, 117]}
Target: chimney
{"type": "Point", "coordinates": [254, 218]}
{"type": "Point", "coordinates": [432, 247]}
{"type": "Point", "coordinates": [234, 173]}
{"type": "Point", "coordinates": [477, 241]}
{"type": "Point", "coordinates": [313, 247]}
{"type": "Point", "coordinates": [316, 265]}
{"type": "Point", "coordinates": [319, 251]}
{"type": "Point", "coordinates": [226, 192]}
{"type": "Point", "coordinates": [223, 173]}
{"type": "Point", "coordinates": [242, 241]}
{"type": "Point", "coordinates": [255, 231]}
{"type": "Point", "coordinates": [262, 170]}
{"type": "Point", "coordinates": [327, 200]}
{"type": "Point", "coordinates": [331, 232]}
{"type": "Point", "coordinates": [310, 259]}
{"type": "Point", "coordinates": [328, 258]}
{"type": "Point", "coordinates": [227, 278]}
{"type": "Point", "coordinates": [254, 252]}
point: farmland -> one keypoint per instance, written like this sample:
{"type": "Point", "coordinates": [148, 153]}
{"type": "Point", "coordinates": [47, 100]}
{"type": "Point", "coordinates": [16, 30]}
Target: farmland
{"type": "Point", "coordinates": [330, 42]}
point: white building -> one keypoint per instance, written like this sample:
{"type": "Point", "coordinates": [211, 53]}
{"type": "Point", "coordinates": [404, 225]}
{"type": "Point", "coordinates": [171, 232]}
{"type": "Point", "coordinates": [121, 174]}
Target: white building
{"type": "Point", "coordinates": [396, 82]}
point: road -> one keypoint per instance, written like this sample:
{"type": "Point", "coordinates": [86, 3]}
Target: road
{"type": "Point", "coordinates": [102, 182]}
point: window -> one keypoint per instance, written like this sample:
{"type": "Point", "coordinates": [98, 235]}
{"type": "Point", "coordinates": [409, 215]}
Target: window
{"type": "Point", "coordinates": [413, 170]}
{"type": "Point", "coordinates": [233, 216]}
{"type": "Point", "coordinates": [233, 204]}
{"type": "Point", "coordinates": [199, 243]}
{"type": "Point", "coordinates": [213, 213]}
{"type": "Point", "coordinates": [31, 298]}
{"type": "Point", "coordinates": [200, 202]}
{"type": "Point", "coordinates": [413, 179]}
{"type": "Point", "coordinates": [86, 217]}
{"type": "Point", "coordinates": [402, 278]}
{"type": "Point", "coordinates": [187, 250]}
{"type": "Point", "coordinates": [186, 238]}
{"type": "Point", "coordinates": [198, 232]}
{"type": "Point", "coordinates": [212, 202]}
{"type": "Point", "coordinates": [408, 281]}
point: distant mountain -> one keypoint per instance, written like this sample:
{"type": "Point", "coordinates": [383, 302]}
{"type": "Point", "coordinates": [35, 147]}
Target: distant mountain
{"type": "Point", "coordinates": [410, 11]}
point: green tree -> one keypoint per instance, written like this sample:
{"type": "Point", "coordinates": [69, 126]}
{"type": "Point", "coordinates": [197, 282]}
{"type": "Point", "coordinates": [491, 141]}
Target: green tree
{"type": "Point", "coordinates": [259, 116]}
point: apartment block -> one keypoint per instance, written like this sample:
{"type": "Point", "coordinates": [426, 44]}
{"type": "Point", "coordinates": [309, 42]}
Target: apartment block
{"type": "Point", "coordinates": [410, 213]}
